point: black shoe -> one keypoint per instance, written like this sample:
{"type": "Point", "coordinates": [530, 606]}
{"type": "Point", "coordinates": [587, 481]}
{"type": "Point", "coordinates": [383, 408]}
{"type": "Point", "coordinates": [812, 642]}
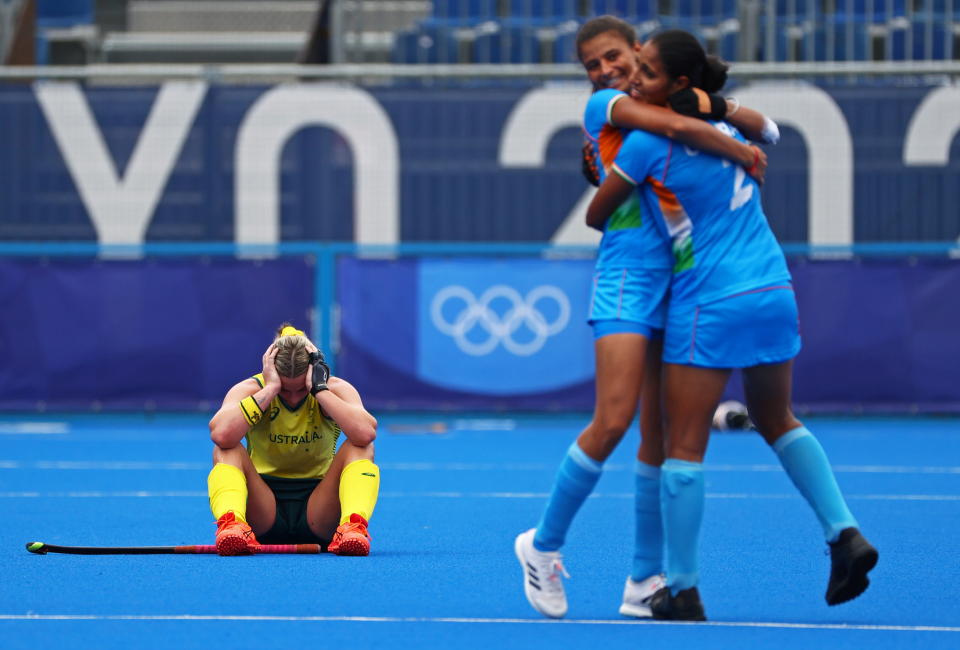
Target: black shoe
{"type": "Point", "coordinates": [851, 558]}
{"type": "Point", "coordinates": [685, 606]}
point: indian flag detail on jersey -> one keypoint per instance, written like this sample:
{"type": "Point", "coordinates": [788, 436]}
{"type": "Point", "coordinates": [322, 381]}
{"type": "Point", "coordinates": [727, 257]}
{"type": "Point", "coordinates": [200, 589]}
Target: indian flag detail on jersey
{"type": "Point", "coordinates": [679, 226]}
{"type": "Point", "coordinates": [626, 216]}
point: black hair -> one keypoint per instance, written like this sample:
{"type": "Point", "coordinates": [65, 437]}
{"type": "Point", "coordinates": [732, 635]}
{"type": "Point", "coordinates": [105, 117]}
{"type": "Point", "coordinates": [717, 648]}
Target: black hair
{"type": "Point", "coordinates": [603, 24]}
{"type": "Point", "coordinates": [682, 55]}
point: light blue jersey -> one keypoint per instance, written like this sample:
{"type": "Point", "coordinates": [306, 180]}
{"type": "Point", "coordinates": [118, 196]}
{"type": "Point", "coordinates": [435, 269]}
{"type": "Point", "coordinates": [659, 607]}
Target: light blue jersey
{"type": "Point", "coordinates": [629, 238]}
{"type": "Point", "coordinates": [711, 210]}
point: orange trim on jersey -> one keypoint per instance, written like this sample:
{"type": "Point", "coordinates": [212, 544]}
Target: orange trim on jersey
{"type": "Point", "coordinates": [610, 141]}
{"type": "Point", "coordinates": [668, 200]}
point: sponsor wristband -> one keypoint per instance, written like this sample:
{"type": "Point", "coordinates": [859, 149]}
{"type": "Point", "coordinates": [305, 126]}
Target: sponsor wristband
{"type": "Point", "coordinates": [251, 410]}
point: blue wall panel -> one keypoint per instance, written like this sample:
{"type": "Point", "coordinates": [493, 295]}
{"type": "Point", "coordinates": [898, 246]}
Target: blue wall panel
{"type": "Point", "coordinates": [878, 335]}
{"type": "Point", "coordinates": [451, 184]}
{"type": "Point", "coordinates": [164, 333]}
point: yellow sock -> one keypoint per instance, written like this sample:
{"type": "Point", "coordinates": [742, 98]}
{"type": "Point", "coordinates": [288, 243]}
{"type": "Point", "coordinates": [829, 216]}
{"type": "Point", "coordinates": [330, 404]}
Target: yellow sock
{"type": "Point", "coordinates": [359, 486]}
{"type": "Point", "coordinates": [227, 487]}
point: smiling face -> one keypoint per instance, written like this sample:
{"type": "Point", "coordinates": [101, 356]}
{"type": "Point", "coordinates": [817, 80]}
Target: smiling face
{"type": "Point", "coordinates": [653, 84]}
{"type": "Point", "coordinates": [610, 61]}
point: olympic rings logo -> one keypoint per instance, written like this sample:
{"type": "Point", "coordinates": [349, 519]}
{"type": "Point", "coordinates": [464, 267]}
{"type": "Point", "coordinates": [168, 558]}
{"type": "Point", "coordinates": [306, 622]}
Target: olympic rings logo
{"type": "Point", "coordinates": [523, 311]}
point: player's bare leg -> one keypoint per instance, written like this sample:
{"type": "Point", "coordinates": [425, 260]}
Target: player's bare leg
{"type": "Point", "coordinates": [646, 577]}
{"type": "Point", "coordinates": [767, 390]}
{"type": "Point", "coordinates": [619, 375]}
{"type": "Point", "coordinates": [326, 508]}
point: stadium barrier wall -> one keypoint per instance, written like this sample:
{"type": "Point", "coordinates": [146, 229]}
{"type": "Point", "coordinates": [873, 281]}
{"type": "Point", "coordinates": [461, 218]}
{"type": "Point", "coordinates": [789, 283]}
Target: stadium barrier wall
{"type": "Point", "coordinates": [455, 327]}
{"type": "Point", "coordinates": [190, 160]}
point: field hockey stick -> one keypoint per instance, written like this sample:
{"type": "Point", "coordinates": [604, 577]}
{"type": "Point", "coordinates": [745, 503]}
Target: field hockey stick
{"type": "Point", "coordinates": [40, 548]}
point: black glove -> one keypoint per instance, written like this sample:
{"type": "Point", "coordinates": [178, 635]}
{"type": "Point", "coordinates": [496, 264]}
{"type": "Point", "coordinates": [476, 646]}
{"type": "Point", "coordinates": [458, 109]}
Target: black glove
{"type": "Point", "coordinates": [694, 102]}
{"type": "Point", "coordinates": [321, 372]}
{"type": "Point", "coordinates": [589, 164]}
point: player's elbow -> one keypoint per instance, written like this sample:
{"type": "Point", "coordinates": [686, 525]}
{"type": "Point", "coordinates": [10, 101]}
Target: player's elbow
{"type": "Point", "coordinates": [368, 434]}
{"type": "Point", "coordinates": [678, 127]}
{"type": "Point", "coordinates": [220, 437]}
{"type": "Point", "coordinates": [365, 433]}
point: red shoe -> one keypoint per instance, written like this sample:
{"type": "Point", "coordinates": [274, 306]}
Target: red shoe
{"type": "Point", "coordinates": [351, 538]}
{"type": "Point", "coordinates": [235, 537]}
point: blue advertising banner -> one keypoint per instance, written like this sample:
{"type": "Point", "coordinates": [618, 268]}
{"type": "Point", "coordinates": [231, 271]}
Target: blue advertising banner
{"type": "Point", "coordinates": [433, 333]}
{"type": "Point", "coordinates": [502, 327]}
{"type": "Point", "coordinates": [164, 334]}
{"type": "Point", "coordinates": [482, 334]}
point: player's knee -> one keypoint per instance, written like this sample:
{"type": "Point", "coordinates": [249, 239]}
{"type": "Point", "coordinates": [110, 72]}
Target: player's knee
{"type": "Point", "coordinates": [355, 452]}
{"type": "Point", "coordinates": [771, 428]}
{"type": "Point", "coordinates": [612, 425]}
{"type": "Point", "coordinates": [687, 449]}
{"type": "Point", "coordinates": [229, 455]}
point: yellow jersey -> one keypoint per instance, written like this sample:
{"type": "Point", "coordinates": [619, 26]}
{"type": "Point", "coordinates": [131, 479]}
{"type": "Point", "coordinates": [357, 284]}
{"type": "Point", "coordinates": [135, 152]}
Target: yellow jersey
{"type": "Point", "coordinates": [292, 441]}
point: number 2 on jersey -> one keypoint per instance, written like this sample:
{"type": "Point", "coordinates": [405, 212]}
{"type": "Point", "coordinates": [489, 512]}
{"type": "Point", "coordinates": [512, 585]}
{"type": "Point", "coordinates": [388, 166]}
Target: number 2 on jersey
{"type": "Point", "coordinates": [741, 193]}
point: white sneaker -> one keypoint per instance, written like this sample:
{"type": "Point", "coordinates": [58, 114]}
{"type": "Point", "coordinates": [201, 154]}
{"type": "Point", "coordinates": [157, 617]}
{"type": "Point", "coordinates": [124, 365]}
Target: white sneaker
{"type": "Point", "coordinates": [542, 581]}
{"type": "Point", "coordinates": [637, 595]}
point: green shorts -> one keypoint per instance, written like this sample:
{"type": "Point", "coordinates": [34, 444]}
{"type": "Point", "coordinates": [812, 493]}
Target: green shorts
{"type": "Point", "coordinates": [290, 525]}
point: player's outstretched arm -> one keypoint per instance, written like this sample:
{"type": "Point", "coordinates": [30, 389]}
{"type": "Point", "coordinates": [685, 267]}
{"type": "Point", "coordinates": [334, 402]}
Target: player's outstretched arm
{"type": "Point", "coordinates": [612, 193]}
{"type": "Point", "coordinates": [754, 125]}
{"type": "Point", "coordinates": [631, 114]}
{"type": "Point", "coordinates": [694, 102]}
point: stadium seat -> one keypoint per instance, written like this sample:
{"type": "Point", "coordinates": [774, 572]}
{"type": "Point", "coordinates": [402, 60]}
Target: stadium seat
{"type": "Point", "coordinates": [463, 13]}
{"type": "Point", "coordinates": [427, 44]}
{"type": "Point", "coordinates": [58, 16]}
{"type": "Point", "coordinates": [705, 11]}
{"type": "Point", "coordinates": [509, 44]}
{"type": "Point", "coordinates": [64, 13]}
{"type": "Point", "coordinates": [545, 11]}
{"type": "Point", "coordinates": [631, 10]}
{"type": "Point", "coordinates": [919, 42]}
{"type": "Point", "coordinates": [565, 48]}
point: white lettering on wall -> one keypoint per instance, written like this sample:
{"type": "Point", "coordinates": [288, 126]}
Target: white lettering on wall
{"type": "Point", "coordinates": [535, 119]}
{"type": "Point", "coordinates": [358, 117]}
{"type": "Point", "coordinates": [818, 119]}
{"type": "Point", "coordinates": [120, 206]}
{"type": "Point", "coordinates": [932, 128]}
{"type": "Point", "coordinates": [544, 111]}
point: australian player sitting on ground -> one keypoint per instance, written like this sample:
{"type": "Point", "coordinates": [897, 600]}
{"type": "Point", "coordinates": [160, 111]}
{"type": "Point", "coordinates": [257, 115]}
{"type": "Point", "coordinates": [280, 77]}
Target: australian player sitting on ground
{"type": "Point", "coordinates": [290, 484]}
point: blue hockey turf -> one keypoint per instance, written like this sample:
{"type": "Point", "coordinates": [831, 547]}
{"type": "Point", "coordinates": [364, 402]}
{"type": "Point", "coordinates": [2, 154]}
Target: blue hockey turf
{"type": "Point", "coordinates": [455, 492]}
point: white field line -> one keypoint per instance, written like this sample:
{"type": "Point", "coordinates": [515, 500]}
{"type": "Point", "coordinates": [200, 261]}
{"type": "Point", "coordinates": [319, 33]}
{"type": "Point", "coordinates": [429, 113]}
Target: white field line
{"type": "Point", "coordinates": [501, 621]}
{"type": "Point", "coordinates": [470, 467]}
{"type": "Point", "coordinates": [92, 494]}
{"type": "Point", "coordinates": [34, 428]}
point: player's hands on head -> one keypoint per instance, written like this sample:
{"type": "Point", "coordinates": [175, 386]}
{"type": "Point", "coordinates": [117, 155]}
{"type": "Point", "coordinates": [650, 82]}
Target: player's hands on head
{"type": "Point", "coordinates": [318, 373]}
{"type": "Point", "coordinates": [694, 102]}
{"type": "Point", "coordinates": [270, 375]}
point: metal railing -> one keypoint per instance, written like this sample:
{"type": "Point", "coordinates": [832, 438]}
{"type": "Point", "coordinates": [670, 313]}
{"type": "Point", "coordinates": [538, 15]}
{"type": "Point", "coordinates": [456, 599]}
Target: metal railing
{"type": "Point", "coordinates": [384, 74]}
{"type": "Point", "coordinates": [526, 31]}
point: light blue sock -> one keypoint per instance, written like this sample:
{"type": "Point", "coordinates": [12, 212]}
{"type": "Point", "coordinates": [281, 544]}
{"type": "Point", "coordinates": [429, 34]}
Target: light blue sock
{"type": "Point", "coordinates": [807, 465]}
{"type": "Point", "coordinates": [576, 478]}
{"type": "Point", "coordinates": [681, 500]}
{"type": "Point", "coordinates": [648, 543]}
